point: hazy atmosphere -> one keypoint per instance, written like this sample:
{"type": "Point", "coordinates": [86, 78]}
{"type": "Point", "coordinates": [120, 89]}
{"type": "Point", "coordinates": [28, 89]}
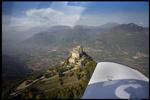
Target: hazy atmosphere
{"type": "Point", "coordinates": [28, 18]}
{"type": "Point", "coordinates": [51, 49]}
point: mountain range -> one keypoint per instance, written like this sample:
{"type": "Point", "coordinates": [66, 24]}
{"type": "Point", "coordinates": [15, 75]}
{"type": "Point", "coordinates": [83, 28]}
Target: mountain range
{"type": "Point", "coordinates": [122, 43]}
{"type": "Point", "coordinates": [128, 36]}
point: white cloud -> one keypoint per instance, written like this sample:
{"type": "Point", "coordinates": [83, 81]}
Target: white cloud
{"type": "Point", "coordinates": [48, 16]}
{"type": "Point", "coordinates": [36, 20]}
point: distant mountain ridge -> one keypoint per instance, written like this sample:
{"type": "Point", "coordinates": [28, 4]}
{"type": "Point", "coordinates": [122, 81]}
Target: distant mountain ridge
{"type": "Point", "coordinates": [60, 35]}
{"type": "Point", "coordinates": [131, 27]}
{"type": "Point", "coordinates": [122, 38]}
{"type": "Point", "coordinates": [109, 25]}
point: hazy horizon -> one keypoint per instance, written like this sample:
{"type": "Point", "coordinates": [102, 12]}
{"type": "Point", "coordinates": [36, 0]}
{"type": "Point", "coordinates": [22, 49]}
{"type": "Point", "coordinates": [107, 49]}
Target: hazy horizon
{"type": "Point", "coordinates": [28, 18]}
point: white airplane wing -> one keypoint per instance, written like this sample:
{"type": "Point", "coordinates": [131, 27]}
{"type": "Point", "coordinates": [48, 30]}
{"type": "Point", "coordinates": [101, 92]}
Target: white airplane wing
{"type": "Point", "coordinates": [115, 81]}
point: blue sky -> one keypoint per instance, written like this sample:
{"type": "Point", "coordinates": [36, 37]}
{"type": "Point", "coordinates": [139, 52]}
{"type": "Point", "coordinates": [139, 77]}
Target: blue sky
{"type": "Point", "coordinates": [26, 16]}
{"type": "Point", "coordinates": [93, 7]}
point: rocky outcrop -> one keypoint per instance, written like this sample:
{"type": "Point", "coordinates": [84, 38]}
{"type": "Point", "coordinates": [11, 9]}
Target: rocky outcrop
{"type": "Point", "coordinates": [76, 54]}
{"type": "Point", "coordinates": [77, 57]}
{"type": "Point", "coordinates": [72, 75]}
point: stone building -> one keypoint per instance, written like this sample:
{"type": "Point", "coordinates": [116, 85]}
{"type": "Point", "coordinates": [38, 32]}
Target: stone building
{"type": "Point", "coordinates": [76, 54]}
